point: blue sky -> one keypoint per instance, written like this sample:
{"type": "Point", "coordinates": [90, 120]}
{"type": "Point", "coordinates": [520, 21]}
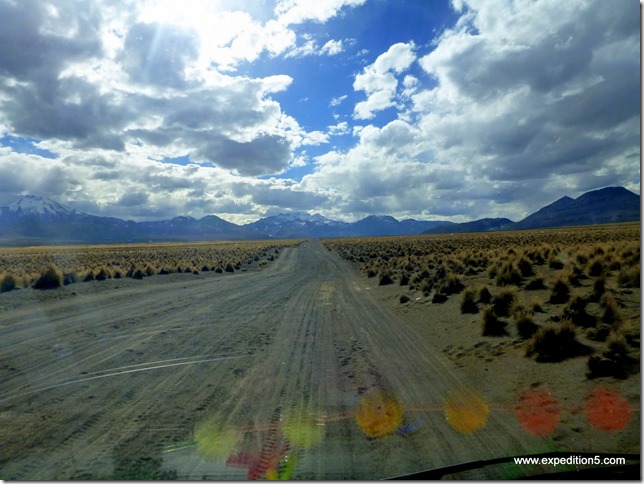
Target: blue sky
{"type": "Point", "coordinates": [434, 109]}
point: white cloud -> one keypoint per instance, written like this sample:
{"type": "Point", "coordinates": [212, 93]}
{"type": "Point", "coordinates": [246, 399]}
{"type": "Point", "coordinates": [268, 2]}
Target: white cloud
{"type": "Point", "coordinates": [378, 81]}
{"type": "Point", "coordinates": [515, 106]}
{"type": "Point", "coordinates": [338, 129]}
{"type": "Point", "coordinates": [527, 102]}
{"type": "Point", "coordinates": [299, 11]}
{"type": "Point", "coordinates": [311, 47]}
{"type": "Point", "coordinates": [332, 47]}
{"type": "Point", "coordinates": [336, 101]}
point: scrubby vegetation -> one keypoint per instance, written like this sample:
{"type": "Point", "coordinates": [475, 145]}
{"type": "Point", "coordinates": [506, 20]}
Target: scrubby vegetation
{"type": "Point", "coordinates": [562, 289]}
{"type": "Point", "coordinates": [51, 267]}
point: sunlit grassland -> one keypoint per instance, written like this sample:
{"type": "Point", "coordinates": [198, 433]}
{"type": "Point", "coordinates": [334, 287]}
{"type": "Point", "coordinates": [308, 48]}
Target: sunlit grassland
{"type": "Point", "coordinates": [52, 266]}
{"type": "Point", "coordinates": [555, 289]}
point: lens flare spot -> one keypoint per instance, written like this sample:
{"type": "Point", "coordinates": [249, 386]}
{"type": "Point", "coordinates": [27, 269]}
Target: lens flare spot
{"type": "Point", "coordinates": [301, 432]}
{"type": "Point", "coordinates": [214, 442]}
{"type": "Point", "coordinates": [607, 410]}
{"type": "Point", "coordinates": [466, 411]}
{"type": "Point", "coordinates": [538, 412]}
{"type": "Point", "coordinates": [379, 413]}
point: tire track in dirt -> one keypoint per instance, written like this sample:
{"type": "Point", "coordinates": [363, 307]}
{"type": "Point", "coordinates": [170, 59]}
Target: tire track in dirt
{"type": "Point", "coordinates": [136, 369]}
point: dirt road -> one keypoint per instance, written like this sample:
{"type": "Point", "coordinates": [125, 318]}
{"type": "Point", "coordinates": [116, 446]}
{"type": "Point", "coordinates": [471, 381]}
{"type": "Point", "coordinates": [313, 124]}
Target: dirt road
{"type": "Point", "coordinates": [222, 376]}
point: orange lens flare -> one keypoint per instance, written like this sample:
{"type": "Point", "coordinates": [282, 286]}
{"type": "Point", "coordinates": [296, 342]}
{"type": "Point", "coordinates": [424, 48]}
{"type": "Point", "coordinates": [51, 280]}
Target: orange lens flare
{"type": "Point", "coordinates": [466, 411]}
{"type": "Point", "coordinates": [379, 413]}
{"type": "Point", "coordinates": [538, 412]}
{"type": "Point", "coordinates": [607, 410]}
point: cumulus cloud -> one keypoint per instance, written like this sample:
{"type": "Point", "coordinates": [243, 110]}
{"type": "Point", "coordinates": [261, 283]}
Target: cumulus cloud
{"type": "Point", "coordinates": [379, 82]}
{"type": "Point", "coordinates": [524, 103]}
{"type": "Point", "coordinates": [153, 94]}
{"type": "Point", "coordinates": [530, 101]}
{"type": "Point", "coordinates": [512, 107]}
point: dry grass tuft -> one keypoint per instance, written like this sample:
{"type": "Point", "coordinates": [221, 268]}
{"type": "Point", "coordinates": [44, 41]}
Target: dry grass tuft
{"type": "Point", "coordinates": [50, 278]}
{"type": "Point", "coordinates": [9, 282]}
{"type": "Point", "coordinates": [553, 344]}
{"type": "Point", "coordinates": [491, 325]}
{"type": "Point", "coordinates": [468, 302]}
{"type": "Point", "coordinates": [503, 300]}
{"type": "Point", "coordinates": [526, 327]}
{"type": "Point", "coordinates": [560, 290]}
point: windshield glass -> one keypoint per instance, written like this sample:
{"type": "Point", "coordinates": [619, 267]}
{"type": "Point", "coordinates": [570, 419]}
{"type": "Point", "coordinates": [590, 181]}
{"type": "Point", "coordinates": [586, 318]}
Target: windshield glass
{"type": "Point", "coordinates": [352, 239]}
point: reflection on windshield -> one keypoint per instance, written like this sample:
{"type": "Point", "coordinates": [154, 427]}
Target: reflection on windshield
{"type": "Point", "coordinates": [272, 450]}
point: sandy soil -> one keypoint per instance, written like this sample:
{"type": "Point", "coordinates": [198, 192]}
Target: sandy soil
{"type": "Point", "coordinates": [302, 363]}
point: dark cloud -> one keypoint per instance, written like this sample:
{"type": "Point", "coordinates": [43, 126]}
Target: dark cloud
{"type": "Point", "coordinates": [20, 175]}
{"type": "Point", "coordinates": [37, 41]}
{"type": "Point", "coordinates": [132, 199]}
{"type": "Point", "coordinates": [68, 109]}
{"type": "Point", "coordinates": [262, 155]}
{"type": "Point", "coordinates": [107, 175]}
{"type": "Point", "coordinates": [284, 196]}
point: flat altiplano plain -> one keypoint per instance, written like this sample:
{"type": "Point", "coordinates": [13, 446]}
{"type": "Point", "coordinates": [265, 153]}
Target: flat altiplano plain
{"type": "Point", "coordinates": [296, 370]}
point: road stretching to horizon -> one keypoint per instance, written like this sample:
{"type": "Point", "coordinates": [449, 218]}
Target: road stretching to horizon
{"type": "Point", "coordinates": [151, 378]}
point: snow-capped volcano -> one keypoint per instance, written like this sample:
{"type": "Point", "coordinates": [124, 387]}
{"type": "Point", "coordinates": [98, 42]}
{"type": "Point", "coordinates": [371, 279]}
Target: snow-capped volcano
{"type": "Point", "coordinates": [33, 205]}
{"type": "Point", "coordinates": [300, 217]}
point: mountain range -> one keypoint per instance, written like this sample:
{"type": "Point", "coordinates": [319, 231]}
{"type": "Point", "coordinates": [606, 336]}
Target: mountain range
{"type": "Point", "coordinates": [33, 220]}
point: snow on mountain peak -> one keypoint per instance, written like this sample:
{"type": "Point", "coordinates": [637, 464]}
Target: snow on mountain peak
{"type": "Point", "coordinates": [34, 205]}
{"type": "Point", "coordinates": [301, 217]}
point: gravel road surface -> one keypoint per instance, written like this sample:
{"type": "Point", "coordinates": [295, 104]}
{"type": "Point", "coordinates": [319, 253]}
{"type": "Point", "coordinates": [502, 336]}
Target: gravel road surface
{"type": "Point", "coordinates": [222, 376]}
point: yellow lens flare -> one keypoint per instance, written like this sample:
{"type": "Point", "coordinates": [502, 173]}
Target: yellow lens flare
{"type": "Point", "coordinates": [466, 411]}
{"type": "Point", "coordinates": [214, 442]}
{"type": "Point", "coordinates": [302, 432]}
{"type": "Point", "coordinates": [379, 413]}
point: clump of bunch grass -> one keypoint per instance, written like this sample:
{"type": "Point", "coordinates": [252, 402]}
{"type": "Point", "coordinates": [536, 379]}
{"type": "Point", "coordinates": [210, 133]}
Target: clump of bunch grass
{"type": "Point", "coordinates": [502, 301]}
{"type": "Point", "coordinates": [103, 273]}
{"type": "Point", "coordinates": [483, 294]}
{"type": "Point", "coordinates": [451, 284]}
{"type": "Point", "coordinates": [50, 278]}
{"type": "Point", "coordinates": [525, 266]}
{"type": "Point", "coordinates": [596, 266]}
{"type": "Point", "coordinates": [576, 312]}
{"type": "Point", "coordinates": [599, 288]}
{"type": "Point", "coordinates": [508, 275]}
{"type": "Point", "coordinates": [553, 344]}
{"type": "Point", "coordinates": [526, 327]}
{"type": "Point", "coordinates": [70, 277]}
{"type": "Point", "coordinates": [616, 361]}
{"type": "Point", "coordinates": [9, 282]}
{"type": "Point", "coordinates": [468, 302]}
{"type": "Point", "coordinates": [385, 279]}
{"type": "Point", "coordinates": [554, 262]}
{"type": "Point", "coordinates": [629, 276]}
{"type": "Point", "coordinates": [491, 325]}
{"type": "Point", "coordinates": [611, 315]}
{"type": "Point", "coordinates": [535, 306]}
{"type": "Point", "coordinates": [560, 290]}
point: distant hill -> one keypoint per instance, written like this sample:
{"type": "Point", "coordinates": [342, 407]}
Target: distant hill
{"type": "Point", "coordinates": [606, 205]}
{"type": "Point", "coordinates": [603, 206]}
{"type": "Point", "coordinates": [33, 220]}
